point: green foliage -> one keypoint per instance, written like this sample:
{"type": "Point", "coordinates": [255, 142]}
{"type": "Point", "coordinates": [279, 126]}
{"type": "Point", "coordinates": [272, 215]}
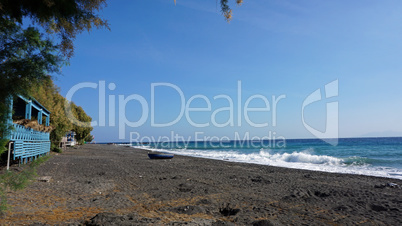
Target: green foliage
{"type": "Point", "coordinates": [81, 132]}
{"type": "Point", "coordinates": [47, 93]}
{"type": "Point", "coordinates": [225, 9]}
{"type": "Point", "coordinates": [55, 148]}
{"type": "Point", "coordinates": [65, 18]}
{"type": "Point", "coordinates": [18, 180]}
{"type": "Point", "coordinates": [4, 112]}
{"type": "Point", "coordinates": [25, 59]}
{"type": "Point", "coordinates": [27, 56]}
{"type": "Point", "coordinates": [3, 145]}
{"type": "Point", "coordinates": [3, 201]}
{"type": "Point", "coordinates": [89, 138]}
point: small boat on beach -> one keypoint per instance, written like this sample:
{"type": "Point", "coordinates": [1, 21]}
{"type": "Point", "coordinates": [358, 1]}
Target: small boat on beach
{"type": "Point", "coordinates": [160, 155]}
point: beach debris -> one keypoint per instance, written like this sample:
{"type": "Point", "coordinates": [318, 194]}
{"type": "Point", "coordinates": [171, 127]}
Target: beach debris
{"type": "Point", "coordinates": [185, 187]}
{"type": "Point", "coordinates": [378, 208]}
{"type": "Point", "coordinates": [228, 211]}
{"type": "Point", "coordinates": [259, 179]}
{"type": "Point", "coordinates": [393, 185]}
{"type": "Point", "coordinates": [321, 194]}
{"type": "Point", "coordinates": [389, 185]}
{"type": "Point", "coordinates": [341, 208]}
{"type": "Point", "coordinates": [44, 179]}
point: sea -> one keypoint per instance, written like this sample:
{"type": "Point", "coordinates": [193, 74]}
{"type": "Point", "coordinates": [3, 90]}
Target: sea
{"type": "Point", "coordinates": [381, 157]}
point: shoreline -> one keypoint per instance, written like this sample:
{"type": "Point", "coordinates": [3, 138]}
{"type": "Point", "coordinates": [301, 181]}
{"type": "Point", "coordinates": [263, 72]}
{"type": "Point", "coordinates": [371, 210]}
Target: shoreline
{"type": "Point", "coordinates": [329, 169]}
{"type": "Point", "coordinates": [104, 184]}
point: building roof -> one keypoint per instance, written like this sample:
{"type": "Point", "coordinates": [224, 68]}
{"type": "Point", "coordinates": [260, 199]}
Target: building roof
{"type": "Point", "coordinates": [35, 103]}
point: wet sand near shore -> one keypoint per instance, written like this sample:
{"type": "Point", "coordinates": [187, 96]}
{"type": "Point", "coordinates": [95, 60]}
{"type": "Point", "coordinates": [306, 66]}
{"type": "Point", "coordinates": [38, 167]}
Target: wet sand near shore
{"type": "Point", "coordinates": [115, 185]}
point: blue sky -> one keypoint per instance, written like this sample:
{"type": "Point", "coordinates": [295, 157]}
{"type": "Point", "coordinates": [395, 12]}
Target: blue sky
{"type": "Point", "coordinates": [273, 48]}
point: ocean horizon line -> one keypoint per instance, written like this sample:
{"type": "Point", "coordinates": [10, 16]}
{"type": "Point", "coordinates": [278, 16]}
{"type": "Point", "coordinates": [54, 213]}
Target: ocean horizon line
{"type": "Point", "coordinates": [226, 141]}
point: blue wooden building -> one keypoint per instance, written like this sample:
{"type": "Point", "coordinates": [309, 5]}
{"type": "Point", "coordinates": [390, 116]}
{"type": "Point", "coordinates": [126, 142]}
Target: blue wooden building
{"type": "Point", "coordinates": [28, 143]}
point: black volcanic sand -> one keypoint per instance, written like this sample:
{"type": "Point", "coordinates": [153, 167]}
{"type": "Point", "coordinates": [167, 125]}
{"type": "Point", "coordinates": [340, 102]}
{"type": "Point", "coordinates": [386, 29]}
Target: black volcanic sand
{"type": "Point", "coordinates": [115, 185]}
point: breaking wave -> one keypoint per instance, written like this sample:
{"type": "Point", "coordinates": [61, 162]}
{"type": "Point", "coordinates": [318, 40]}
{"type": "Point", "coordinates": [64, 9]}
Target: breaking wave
{"type": "Point", "coordinates": [298, 159]}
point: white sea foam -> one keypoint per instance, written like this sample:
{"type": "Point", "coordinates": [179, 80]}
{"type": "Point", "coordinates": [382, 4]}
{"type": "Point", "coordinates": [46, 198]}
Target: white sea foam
{"type": "Point", "coordinates": [299, 160]}
{"type": "Point", "coordinates": [144, 147]}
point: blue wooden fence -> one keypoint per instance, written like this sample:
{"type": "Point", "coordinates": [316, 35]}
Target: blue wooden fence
{"type": "Point", "coordinates": [30, 143]}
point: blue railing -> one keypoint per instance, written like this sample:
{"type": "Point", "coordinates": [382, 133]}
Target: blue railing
{"type": "Point", "coordinates": [29, 143]}
{"type": "Point", "coordinates": [22, 133]}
